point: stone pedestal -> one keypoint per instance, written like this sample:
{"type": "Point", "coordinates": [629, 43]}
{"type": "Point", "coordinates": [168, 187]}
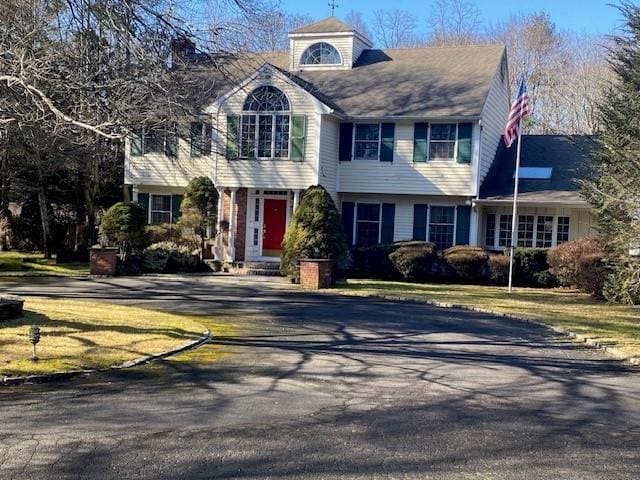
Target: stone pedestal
{"type": "Point", "coordinates": [315, 273]}
{"type": "Point", "coordinates": [10, 307]}
{"type": "Point", "coordinates": [103, 261]}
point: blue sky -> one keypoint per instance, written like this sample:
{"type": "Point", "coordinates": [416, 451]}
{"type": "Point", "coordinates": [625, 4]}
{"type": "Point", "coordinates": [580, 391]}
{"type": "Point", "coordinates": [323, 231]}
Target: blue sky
{"type": "Point", "coordinates": [585, 16]}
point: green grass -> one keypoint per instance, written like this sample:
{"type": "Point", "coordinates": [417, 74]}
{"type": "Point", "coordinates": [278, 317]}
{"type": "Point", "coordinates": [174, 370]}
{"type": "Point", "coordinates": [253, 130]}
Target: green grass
{"type": "Point", "coordinates": [568, 309]}
{"type": "Point", "coordinates": [19, 263]}
{"type": "Point", "coordinates": [79, 335]}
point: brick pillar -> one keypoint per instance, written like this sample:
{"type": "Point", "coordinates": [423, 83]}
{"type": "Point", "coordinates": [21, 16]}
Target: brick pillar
{"type": "Point", "coordinates": [315, 274]}
{"type": "Point", "coordinates": [224, 229]}
{"type": "Point", "coordinates": [241, 223]}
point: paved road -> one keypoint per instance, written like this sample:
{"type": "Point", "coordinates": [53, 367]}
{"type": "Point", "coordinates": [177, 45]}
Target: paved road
{"type": "Point", "coordinates": [322, 386]}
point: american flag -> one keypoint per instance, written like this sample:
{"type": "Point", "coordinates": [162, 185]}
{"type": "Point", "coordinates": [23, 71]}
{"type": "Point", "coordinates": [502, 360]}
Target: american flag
{"type": "Point", "coordinates": [519, 109]}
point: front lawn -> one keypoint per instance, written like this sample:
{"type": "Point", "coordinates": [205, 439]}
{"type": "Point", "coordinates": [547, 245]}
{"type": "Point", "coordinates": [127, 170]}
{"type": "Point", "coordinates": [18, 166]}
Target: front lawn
{"type": "Point", "coordinates": [567, 309]}
{"type": "Point", "coordinates": [16, 263]}
{"type": "Point", "coordinates": [81, 334]}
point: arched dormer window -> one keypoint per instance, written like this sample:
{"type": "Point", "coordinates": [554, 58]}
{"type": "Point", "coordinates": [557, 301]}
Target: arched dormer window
{"type": "Point", "coordinates": [265, 124]}
{"type": "Point", "coordinates": [321, 53]}
{"type": "Point", "coordinates": [266, 99]}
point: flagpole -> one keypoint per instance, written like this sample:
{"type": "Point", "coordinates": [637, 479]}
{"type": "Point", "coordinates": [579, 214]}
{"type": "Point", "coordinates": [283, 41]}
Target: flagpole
{"type": "Point", "coordinates": [514, 213]}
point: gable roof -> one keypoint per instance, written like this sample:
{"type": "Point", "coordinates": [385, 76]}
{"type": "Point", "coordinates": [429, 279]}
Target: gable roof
{"type": "Point", "coordinates": [420, 83]}
{"type": "Point", "coordinates": [326, 25]}
{"type": "Point", "coordinates": [567, 155]}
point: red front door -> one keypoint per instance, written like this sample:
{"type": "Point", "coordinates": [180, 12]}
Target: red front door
{"type": "Point", "coordinates": [275, 223]}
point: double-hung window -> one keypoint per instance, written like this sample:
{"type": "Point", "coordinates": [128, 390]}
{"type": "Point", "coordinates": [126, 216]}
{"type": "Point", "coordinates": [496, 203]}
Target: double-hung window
{"type": "Point", "coordinates": [160, 209]}
{"type": "Point", "coordinates": [442, 221]}
{"type": "Point", "coordinates": [265, 125]}
{"type": "Point", "coordinates": [367, 224]}
{"type": "Point", "coordinates": [562, 235]}
{"type": "Point", "coordinates": [544, 231]}
{"type": "Point", "coordinates": [442, 141]}
{"type": "Point", "coordinates": [504, 236]}
{"type": "Point", "coordinates": [525, 230]}
{"type": "Point", "coordinates": [366, 141]}
{"type": "Point", "coordinates": [155, 141]}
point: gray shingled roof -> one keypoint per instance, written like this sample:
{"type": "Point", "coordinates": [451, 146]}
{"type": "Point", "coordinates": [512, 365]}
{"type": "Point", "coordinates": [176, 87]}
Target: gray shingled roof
{"type": "Point", "coordinates": [429, 82]}
{"type": "Point", "coordinates": [568, 156]}
{"type": "Point", "coordinates": [326, 25]}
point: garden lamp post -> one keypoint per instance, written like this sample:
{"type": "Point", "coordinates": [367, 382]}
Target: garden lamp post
{"type": "Point", "coordinates": [34, 338]}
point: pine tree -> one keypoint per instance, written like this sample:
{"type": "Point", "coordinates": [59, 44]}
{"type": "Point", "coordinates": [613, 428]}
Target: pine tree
{"type": "Point", "coordinates": [314, 232]}
{"type": "Point", "coordinates": [614, 190]}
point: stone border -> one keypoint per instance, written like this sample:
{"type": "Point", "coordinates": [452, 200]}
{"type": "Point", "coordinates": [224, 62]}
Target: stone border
{"type": "Point", "coordinates": [576, 337]}
{"type": "Point", "coordinates": [206, 337]}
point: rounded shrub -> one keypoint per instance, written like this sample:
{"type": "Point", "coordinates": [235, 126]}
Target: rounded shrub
{"type": "Point", "coordinates": [469, 264]}
{"type": "Point", "coordinates": [417, 261]}
{"type": "Point", "coordinates": [592, 274]}
{"type": "Point", "coordinates": [374, 262]}
{"type": "Point", "coordinates": [124, 225]}
{"type": "Point", "coordinates": [315, 231]}
{"type": "Point", "coordinates": [498, 269]}
{"type": "Point", "coordinates": [168, 257]}
{"type": "Point", "coordinates": [163, 232]}
{"type": "Point", "coordinates": [564, 260]}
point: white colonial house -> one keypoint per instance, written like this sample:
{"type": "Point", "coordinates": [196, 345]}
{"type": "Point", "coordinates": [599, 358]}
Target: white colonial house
{"type": "Point", "coordinates": [406, 141]}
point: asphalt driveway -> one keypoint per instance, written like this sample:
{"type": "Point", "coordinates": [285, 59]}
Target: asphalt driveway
{"type": "Point", "coordinates": [322, 386]}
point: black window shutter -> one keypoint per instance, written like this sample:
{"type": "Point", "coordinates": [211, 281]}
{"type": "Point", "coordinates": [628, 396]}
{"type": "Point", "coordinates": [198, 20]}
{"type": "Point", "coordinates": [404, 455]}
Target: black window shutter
{"type": "Point", "coordinates": [176, 200]}
{"type": "Point", "coordinates": [136, 144]}
{"type": "Point", "coordinates": [346, 142]}
{"type": "Point", "coordinates": [207, 139]}
{"type": "Point", "coordinates": [420, 221]}
{"type": "Point", "coordinates": [298, 132]}
{"type": "Point", "coordinates": [463, 224]}
{"type": "Point", "coordinates": [388, 221]}
{"type": "Point", "coordinates": [347, 220]}
{"type": "Point", "coordinates": [143, 199]}
{"type": "Point", "coordinates": [420, 142]}
{"type": "Point", "coordinates": [465, 133]}
{"type": "Point", "coordinates": [171, 144]}
{"type": "Point", "coordinates": [387, 131]}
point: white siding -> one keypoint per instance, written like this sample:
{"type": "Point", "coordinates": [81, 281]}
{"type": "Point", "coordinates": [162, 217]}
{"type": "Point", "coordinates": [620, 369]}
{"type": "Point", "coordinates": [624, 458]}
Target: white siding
{"type": "Point", "coordinates": [403, 175]}
{"type": "Point", "coordinates": [342, 43]}
{"type": "Point", "coordinates": [358, 47]}
{"type": "Point", "coordinates": [276, 174]}
{"type": "Point", "coordinates": [403, 224]}
{"type": "Point", "coordinates": [494, 118]}
{"type": "Point", "coordinates": [329, 156]}
{"type": "Point", "coordinates": [158, 169]}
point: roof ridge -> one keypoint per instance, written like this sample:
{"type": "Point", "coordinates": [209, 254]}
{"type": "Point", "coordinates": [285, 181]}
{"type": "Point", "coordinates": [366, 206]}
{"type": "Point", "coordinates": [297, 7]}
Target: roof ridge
{"type": "Point", "coordinates": [433, 47]}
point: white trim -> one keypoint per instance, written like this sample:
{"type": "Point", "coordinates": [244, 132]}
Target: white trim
{"type": "Point", "coordinates": [353, 33]}
{"type": "Point", "coordinates": [315, 65]}
{"type": "Point", "coordinates": [215, 107]}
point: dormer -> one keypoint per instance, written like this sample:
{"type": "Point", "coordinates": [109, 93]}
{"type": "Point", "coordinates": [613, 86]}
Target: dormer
{"type": "Point", "coordinates": [329, 44]}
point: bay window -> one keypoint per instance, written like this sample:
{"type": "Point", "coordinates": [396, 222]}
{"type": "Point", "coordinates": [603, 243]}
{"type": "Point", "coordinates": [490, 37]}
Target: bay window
{"type": "Point", "coordinates": [544, 231]}
{"type": "Point", "coordinates": [525, 230]}
{"type": "Point", "coordinates": [563, 230]}
{"type": "Point", "coordinates": [532, 230]}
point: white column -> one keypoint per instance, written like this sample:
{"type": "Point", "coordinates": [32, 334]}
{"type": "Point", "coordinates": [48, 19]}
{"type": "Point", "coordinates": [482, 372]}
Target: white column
{"type": "Point", "coordinates": [473, 226]}
{"type": "Point", "coordinates": [296, 199]}
{"type": "Point", "coordinates": [231, 248]}
{"type": "Point", "coordinates": [134, 193]}
{"type": "Point", "coordinates": [218, 247]}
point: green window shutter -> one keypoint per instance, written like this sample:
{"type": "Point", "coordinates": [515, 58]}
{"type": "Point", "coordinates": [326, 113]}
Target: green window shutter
{"type": "Point", "coordinates": [420, 142]}
{"type": "Point", "coordinates": [387, 131]}
{"type": "Point", "coordinates": [347, 220]}
{"type": "Point", "coordinates": [420, 221]}
{"type": "Point", "coordinates": [346, 142]}
{"type": "Point", "coordinates": [143, 199]}
{"type": "Point", "coordinates": [176, 200]}
{"type": "Point", "coordinates": [298, 129]}
{"type": "Point", "coordinates": [465, 132]}
{"type": "Point", "coordinates": [207, 139]}
{"type": "Point", "coordinates": [233, 122]}
{"type": "Point", "coordinates": [388, 221]}
{"type": "Point", "coordinates": [136, 144]}
{"type": "Point", "coordinates": [171, 145]}
{"type": "Point", "coordinates": [463, 224]}
{"type": "Point", "coordinates": [195, 138]}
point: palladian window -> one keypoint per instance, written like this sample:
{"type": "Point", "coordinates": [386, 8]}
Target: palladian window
{"type": "Point", "coordinates": [321, 53]}
{"type": "Point", "coordinates": [265, 124]}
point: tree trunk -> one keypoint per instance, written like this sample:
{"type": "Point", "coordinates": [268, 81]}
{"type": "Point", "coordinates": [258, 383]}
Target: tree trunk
{"type": "Point", "coordinates": [44, 214]}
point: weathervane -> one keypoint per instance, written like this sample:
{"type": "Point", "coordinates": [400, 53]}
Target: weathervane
{"type": "Point", "coordinates": [333, 6]}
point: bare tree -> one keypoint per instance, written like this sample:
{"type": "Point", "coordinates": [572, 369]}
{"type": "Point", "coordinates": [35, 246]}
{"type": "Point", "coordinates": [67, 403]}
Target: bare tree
{"type": "Point", "coordinates": [454, 22]}
{"type": "Point", "coordinates": [359, 24]}
{"type": "Point", "coordinates": [395, 28]}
